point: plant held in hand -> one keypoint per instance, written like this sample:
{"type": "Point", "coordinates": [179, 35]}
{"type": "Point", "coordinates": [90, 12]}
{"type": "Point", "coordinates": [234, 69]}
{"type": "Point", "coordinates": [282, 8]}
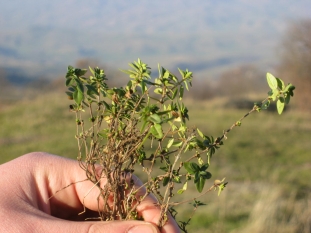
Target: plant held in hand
{"type": "Point", "coordinates": [124, 121]}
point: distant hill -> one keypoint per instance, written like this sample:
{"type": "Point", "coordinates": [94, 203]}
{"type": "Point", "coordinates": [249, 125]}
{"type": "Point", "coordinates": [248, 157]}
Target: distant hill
{"type": "Point", "coordinates": [43, 37]}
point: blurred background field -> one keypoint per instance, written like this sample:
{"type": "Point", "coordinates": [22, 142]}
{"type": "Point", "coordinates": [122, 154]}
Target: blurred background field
{"type": "Point", "coordinates": [266, 161]}
{"type": "Point", "coordinates": [229, 45]}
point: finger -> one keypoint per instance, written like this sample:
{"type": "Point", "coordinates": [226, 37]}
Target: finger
{"type": "Point", "coordinates": [37, 222]}
{"type": "Point", "coordinates": [151, 212]}
{"type": "Point", "coordinates": [69, 202]}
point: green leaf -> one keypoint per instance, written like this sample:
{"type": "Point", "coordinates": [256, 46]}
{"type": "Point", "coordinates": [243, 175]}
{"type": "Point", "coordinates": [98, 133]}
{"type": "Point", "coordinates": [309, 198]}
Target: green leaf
{"type": "Point", "coordinates": [221, 187]}
{"type": "Point", "coordinates": [158, 91]}
{"type": "Point", "coordinates": [174, 93]}
{"type": "Point", "coordinates": [206, 175]}
{"type": "Point", "coordinates": [200, 133]}
{"type": "Point", "coordinates": [156, 131]}
{"type": "Point", "coordinates": [275, 94]}
{"type": "Point", "coordinates": [280, 105]}
{"type": "Point", "coordinates": [281, 84]}
{"type": "Point", "coordinates": [177, 144]}
{"type": "Point", "coordinates": [200, 184]}
{"type": "Point", "coordinates": [166, 74]}
{"type": "Point", "coordinates": [287, 99]}
{"type": "Point", "coordinates": [186, 85]}
{"type": "Point", "coordinates": [272, 81]}
{"type": "Point", "coordinates": [107, 106]}
{"type": "Point", "coordinates": [155, 118]}
{"type": "Point", "coordinates": [181, 92]}
{"type": "Point", "coordinates": [92, 71]}
{"type": "Point", "coordinates": [290, 89]}
{"type": "Point", "coordinates": [78, 97]}
{"type": "Point", "coordinates": [143, 86]}
{"type": "Point", "coordinates": [68, 81]}
{"type": "Point", "coordinates": [91, 90]}
{"type": "Point", "coordinates": [191, 167]}
{"type": "Point", "coordinates": [177, 179]}
{"type": "Point", "coordinates": [204, 167]}
{"type": "Point", "coordinates": [185, 186]}
{"type": "Point", "coordinates": [163, 112]}
{"type": "Point", "coordinates": [158, 128]}
{"type": "Point", "coordinates": [79, 86]}
{"type": "Point", "coordinates": [165, 181]}
{"type": "Point", "coordinates": [180, 191]}
{"type": "Point", "coordinates": [80, 72]}
{"type": "Point", "coordinates": [170, 143]}
{"type": "Point", "coordinates": [264, 105]}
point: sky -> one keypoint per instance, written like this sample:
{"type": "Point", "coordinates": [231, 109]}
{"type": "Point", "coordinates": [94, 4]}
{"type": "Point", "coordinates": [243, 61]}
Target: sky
{"type": "Point", "coordinates": [43, 36]}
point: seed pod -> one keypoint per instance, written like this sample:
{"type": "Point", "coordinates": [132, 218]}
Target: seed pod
{"type": "Point", "coordinates": [218, 182]}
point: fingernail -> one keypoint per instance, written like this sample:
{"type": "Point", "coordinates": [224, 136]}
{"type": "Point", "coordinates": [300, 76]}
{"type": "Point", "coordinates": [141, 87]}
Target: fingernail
{"type": "Point", "coordinates": [144, 228]}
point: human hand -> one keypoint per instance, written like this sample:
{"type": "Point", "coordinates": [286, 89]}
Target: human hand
{"type": "Point", "coordinates": [27, 183]}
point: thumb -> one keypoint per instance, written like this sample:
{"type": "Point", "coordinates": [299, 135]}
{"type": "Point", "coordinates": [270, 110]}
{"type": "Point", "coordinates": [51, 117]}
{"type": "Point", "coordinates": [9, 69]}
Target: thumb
{"type": "Point", "coordinates": [131, 226]}
{"type": "Point", "coordinates": [122, 227]}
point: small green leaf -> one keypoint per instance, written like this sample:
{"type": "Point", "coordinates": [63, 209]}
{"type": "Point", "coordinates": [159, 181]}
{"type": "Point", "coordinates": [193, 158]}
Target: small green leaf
{"type": "Point", "coordinates": [156, 131]}
{"type": "Point", "coordinates": [221, 187]}
{"type": "Point", "coordinates": [158, 127]}
{"type": "Point", "coordinates": [200, 133]}
{"type": "Point", "coordinates": [180, 191]}
{"type": "Point", "coordinates": [92, 71]}
{"type": "Point", "coordinates": [78, 96]}
{"type": "Point", "coordinates": [91, 90]}
{"type": "Point", "coordinates": [143, 86]}
{"type": "Point", "coordinates": [290, 89]}
{"type": "Point", "coordinates": [200, 184]}
{"type": "Point", "coordinates": [200, 161]}
{"type": "Point", "coordinates": [185, 186]}
{"type": "Point", "coordinates": [170, 143]}
{"type": "Point", "coordinates": [164, 112]}
{"type": "Point", "coordinates": [280, 105]}
{"type": "Point", "coordinates": [204, 167]}
{"type": "Point", "coordinates": [177, 179]}
{"type": "Point", "coordinates": [272, 82]}
{"type": "Point", "coordinates": [174, 93]}
{"type": "Point", "coordinates": [158, 91]}
{"type": "Point", "coordinates": [177, 144]}
{"type": "Point", "coordinates": [186, 85]}
{"type": "Point", "coordinates": [155, 118]}
{"type": "Point", "coordinates": [238, 123]}
{"type": "Point", "coordinates": [275, 94]}
{"type": "Point", "coordinates": [191, 167]}
{"type": "Point", "coordinates": [79, 86]}
{"type": "Point", "coordinates": [181, 92]}
{"type": "Point", "coordinates": [206, 175]}
{"type": "Point", "coordinates": [265, 104]}
{"type": "Point", "coordinates": [165, 181]}
{"type": "Point", "coordinates": [287, 98]}
{"type": "Point", "coordinates": [68, 81]}
{"type": "Point", "coordinates": [281, 84]}
{"type": "Point", "coordinates": [80, 72]}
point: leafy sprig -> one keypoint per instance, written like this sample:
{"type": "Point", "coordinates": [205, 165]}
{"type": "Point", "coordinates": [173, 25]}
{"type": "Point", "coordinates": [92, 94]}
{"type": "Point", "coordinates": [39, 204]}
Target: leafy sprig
{"type": "Point", "coordinates": [121, 120]}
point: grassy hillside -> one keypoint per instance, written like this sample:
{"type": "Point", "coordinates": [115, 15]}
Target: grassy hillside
{"type": "Point", "coordinates": [267, 160]}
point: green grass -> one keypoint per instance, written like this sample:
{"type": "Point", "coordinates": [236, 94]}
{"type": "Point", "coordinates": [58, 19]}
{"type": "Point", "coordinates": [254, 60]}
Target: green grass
{"type": "Point", "coordinates": [267, 161]}
{"type": "Point", "coordinates": [40, 124]}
